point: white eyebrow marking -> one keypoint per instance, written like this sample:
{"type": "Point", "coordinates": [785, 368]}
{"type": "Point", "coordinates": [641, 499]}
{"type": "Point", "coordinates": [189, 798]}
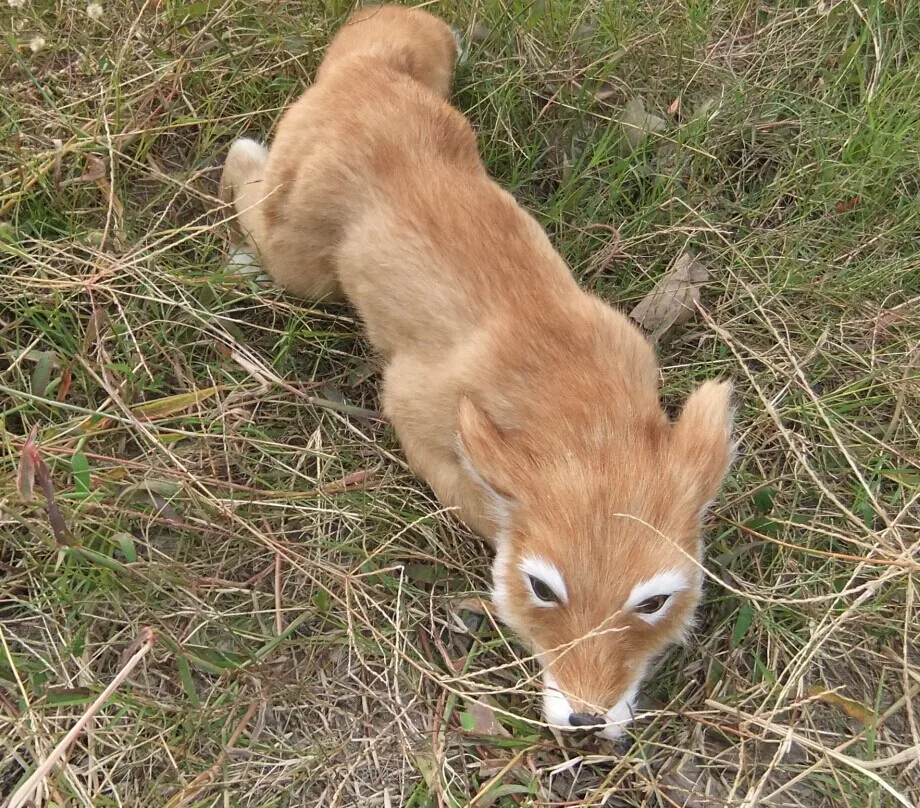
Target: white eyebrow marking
{"type": "Point", "coordinates": [666, 582]}
{"type": "Point", "coordinates": [546, 572]}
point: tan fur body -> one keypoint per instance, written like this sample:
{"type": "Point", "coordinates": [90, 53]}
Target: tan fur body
{"type": "Point", "coordinates": [526, 403]}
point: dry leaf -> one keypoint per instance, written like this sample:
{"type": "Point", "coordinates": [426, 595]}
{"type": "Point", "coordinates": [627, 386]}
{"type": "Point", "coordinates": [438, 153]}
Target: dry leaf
{"type": "Point", "coordinates": [490, 767]}
{"type": "Point", "coordinates": [25, 480]}
{"type": "Point", "coordinates": [93, 329]}
{"type": "Point", "coordinates": [146, 488]}
{"type": "Point", "coordinates": [703, 109]}
{"type": "Point", "coordinates": [847, 204]}
{"type": "Point", "coordinates": [95, 170]}
{"type": "Point", "coordinates": [852, 708]}
{"type": "Point", "coordinates": [352, 480]}
{"type": "Point", "coordinates": [55, 517]}
{"type": "Point", "coordinates": [608, 93]}
{"type": "Point", "coordinates": [480, 718]}
{"type": "Point", "coordinates": [152, 410]}
{"type": "Point", "coordinates": [886, 321]}
{"type": "Point", "coordinates": [602, 259]}
{"type": "Point", "coordinates": [585, 31]}
{"type": "Point", "coordinates": [171, 405]}
{"type": "Point", "coordinates": [480, 33]}
{"type": "Point", "coordinates": [459, 665]}
{"type": "Point", "coordinates": [475, 605]}
{"type": "Point", "coordinates": [155, 492]}
{"type": "Point", "coordinates": [32, 467]}
{"type": "Point", "coordinates": [825, 7]}
{"type": "Point", "coordinates": [66, 382]}
{"type": "Point", "coordinates": [466, 614]}
{"type": "Point", "coordinates": [686, 784]}
{"type": "Point", "coordinates": [673, 300]}
{"type": "Point", "coordinates": [427, 765]}
{"type": "Point", "coordinates": [58, 154]}
{"type": "Point", "coordinates": [166, 510]}
{"type": "Point", "coordinates": [639, 124]}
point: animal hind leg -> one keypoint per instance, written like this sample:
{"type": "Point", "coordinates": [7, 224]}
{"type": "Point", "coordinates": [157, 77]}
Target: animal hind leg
{"type": "Point", "coordinates": [240, 182]}
{"type": "Point", "coordinates": [294, 257]}
{"type": "Point", "coordinates": [241, 186]}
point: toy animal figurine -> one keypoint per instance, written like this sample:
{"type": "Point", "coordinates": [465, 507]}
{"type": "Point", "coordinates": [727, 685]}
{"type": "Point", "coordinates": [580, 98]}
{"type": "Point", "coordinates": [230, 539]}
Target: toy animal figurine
{"type": "Point", "coordinates": [526, 403]}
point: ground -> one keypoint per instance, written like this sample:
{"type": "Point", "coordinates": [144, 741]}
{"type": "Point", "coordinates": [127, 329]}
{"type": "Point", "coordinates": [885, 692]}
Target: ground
{"type": "Point", "coordinates": [192, 452]}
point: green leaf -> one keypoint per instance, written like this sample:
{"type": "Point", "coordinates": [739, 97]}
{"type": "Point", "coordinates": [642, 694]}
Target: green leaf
{"type": "Point", "coordinates": [715, 674]}
{"type": "Point", "coordinates": [507, 789]}
{"type": "Point", "coordinates": [79, 643]}
{"type": "Point", "coordinates": [425, 573]}
{"type": "Point", "coordinates": [765, 673]}
{"type": "Point", "coordinates": [850, 53]}
{"type": "Point", "coordinates": [71, 697]}
{"type": "Point", "coordinates": [79, 465]}
{"type": "Point", "coordinates": [213, 659]}
{"type": "Point", "coordinates": [100, 560]}
{"type": "Point", "coordinates": [125, 542]}
{"type": "Point", "coordinates": [762, 525]}
{"type": "Point", "coordinates": [189, 11]}
{"type": "Point", "coordinates": [908, 478]}
{"type": "Point", "coordinates": [41, 376]}
{"type": "Point", "coordinates": [468, 722]}
{"type": "Point", "coordinates": [188, 684]}
{"type": "Point", "coordinates": [763, 499]}
{"type": "Point", "coordinates": [742, 624]}
{"type": "Point", "coordinates": [866, 510]}
{"type": "Point", "coordinates": [321, 601]}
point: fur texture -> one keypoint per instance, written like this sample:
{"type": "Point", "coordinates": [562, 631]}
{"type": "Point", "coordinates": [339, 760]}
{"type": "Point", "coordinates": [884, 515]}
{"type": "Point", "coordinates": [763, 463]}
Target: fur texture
{"type": "Point", "coordinates": [526, 403]}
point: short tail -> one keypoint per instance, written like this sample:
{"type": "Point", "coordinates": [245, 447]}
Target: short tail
{"type": "Point", "coordinates": [242, 186]}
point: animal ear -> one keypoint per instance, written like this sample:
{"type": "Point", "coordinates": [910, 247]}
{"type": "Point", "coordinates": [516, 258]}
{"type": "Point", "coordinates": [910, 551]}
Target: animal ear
{"type": "Point", "coordinates": [484, 452]}
{"type": "Point", "coordinates": [702, 439]}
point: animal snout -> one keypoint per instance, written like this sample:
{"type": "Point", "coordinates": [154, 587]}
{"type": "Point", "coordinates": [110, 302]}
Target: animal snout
{"type": "Point", "coordinates": [580, 715]}
{"type": "Point", "coordinates": [587, 721]}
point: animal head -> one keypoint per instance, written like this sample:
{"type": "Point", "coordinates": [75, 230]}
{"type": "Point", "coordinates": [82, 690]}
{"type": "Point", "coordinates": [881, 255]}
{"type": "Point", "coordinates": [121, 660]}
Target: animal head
{"type": "Point", "coordinates": [598, 550]}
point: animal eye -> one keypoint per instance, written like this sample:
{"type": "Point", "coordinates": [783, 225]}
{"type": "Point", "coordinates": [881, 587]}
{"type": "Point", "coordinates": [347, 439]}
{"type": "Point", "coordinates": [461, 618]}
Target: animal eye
{"type": "Point", "coordinates": [542, 590]}
{"type": "Point", "coordinates": [652, 605]}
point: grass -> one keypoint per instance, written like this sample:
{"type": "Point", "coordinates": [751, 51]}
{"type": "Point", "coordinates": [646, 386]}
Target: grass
{"type": "Point", "coordinates": [306, 592]}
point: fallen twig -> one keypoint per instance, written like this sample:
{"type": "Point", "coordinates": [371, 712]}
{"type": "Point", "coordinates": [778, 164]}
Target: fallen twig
{"type": "Point", "coordinates": [209, 775]}
{"type": "Point", "coordinates": [25, 792]}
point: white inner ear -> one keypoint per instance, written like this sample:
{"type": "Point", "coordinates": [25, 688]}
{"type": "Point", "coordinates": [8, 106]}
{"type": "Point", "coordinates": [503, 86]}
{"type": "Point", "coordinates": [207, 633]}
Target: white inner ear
{"type": "Point", "coordinates": [501, 570]}
{"type": "Point", "coordinates": [732, 459]}
{"type": "Point", "coordinates": [501, 507]}
{"type": "Point", "coordinates": [549, 574]}
{"type": "Point", "coordinates": [666, 582]}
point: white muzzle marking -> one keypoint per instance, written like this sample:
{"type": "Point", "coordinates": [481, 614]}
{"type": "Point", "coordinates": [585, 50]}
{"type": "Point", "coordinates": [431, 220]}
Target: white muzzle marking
{"type": "Point", "coordinates": [556, 710]}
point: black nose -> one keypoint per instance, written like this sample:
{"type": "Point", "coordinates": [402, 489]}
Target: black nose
{"type": "Point", "coordinates": [587, 721]}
